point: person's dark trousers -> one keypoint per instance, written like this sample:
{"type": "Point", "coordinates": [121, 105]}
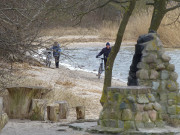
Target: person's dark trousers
{"type": "Point", "coordinates": [57, 61]}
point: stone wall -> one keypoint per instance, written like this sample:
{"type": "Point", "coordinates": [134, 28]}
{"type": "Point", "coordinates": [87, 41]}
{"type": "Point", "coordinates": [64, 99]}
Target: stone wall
{"type": "Point", "coordinates": [156, 71]}
{"type": "Point", "coordinates": [131, 107]}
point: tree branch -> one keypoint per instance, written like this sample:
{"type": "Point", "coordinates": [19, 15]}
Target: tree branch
{"type": "Point", "coordinates": [172, 8]}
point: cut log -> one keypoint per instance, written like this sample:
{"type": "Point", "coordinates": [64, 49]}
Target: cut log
{"type": "Point", "coordinates": [53, 112]}
{"type": "Point", "coordinates": [1, 105]}
{"type": "Point", "coordinates": [3, 120]}
{"type": "Point", "coordinates": [38, 110]}
{"type": "Point", "coordinates": [63, 109]}
{"type": "Point", "coordinates": [19, 100]}
{"type": "Point", "coordinates": [80, 111]}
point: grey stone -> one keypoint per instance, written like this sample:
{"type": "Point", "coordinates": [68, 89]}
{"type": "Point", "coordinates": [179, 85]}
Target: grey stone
{"type": "Point", "coordinates": [126, 115]}
{"type": "Point", "coordinates": [172, 95]}
{"type": "Point", "coordinates": [164, 75]}
{"type": "Point", "coordinates": [148, 107]}
{"type": "Point", "coordinates": [131, 99]}
{"type": "Point", "coordinates": [110, 123]}
{"type": "Point", "coordinates": [165, 58]}
{"type": "Point", "coordinates": [152, 58]}
{"type": "Point", "coordinates": [123, 105]}
{"type": "Point", "coordinates": [149, 125]}
{"type": "Point", "coordinates": [163, 85]}
{"type": "Point", "coordinates": [154, 74]}
{"type": "Point", "coordinates": [171, 67]}
{"type": "Point", "coordinates": [142, 99]}
{"type": "Point", "coordinates": [174, 76]}
{"type": "Point", "coordinates": [171, 102]}
{"type": "Point", "coordinates": [151, 97]}
{"type": "Point", "coordinates": [160, 123]}
{"type": "Point", "coordinates": [129, 125]}
{"type": "Point", "coordinates": [163, 97]}
{"type": "Point", "coordinates": [120, 124]}
{"type": "Point", "coordinates": [151, 47]}
{"type": "Point", "coordinates": [142, 74]}
{"type": "Point", "coordinates": [172, 110]}
{"type": "Point", "coordinates": [160, 67]}
{"type": "Point", "coordinates": [155, 85]}
{"type": "Point", "coordinates": [145, 117]}
{"type": "Point", "coordinates": [153, 115]}
{"type": "Point", "coordinates": [138, 116]}
{"type": "Point", "coordinates": [142, 65]}
{"type": "Point", "coordinates": [139, 124]}
{"type": "Point", "coordinates": [172, 86]}
{"type": "Point", "coordinates": [157, 107]}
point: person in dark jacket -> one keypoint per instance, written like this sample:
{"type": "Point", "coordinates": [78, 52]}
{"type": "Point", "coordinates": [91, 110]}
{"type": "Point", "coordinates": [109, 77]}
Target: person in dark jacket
{"type": "Point", "coordinates": [105, 51]}
{"type": "Point", "coordinates": [56, 53]}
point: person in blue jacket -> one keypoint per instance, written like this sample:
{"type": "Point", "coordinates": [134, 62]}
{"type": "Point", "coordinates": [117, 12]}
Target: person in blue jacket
{"type": "Point", "coordinates": [56, 53]}
{"type": "Point", "coordinates": [105, 51]}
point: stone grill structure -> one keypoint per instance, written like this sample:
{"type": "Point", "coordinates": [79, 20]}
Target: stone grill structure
{"type": "Point", "coordinates": [131, 108]}
{"type": "Point", "coordinates": [155, 70]}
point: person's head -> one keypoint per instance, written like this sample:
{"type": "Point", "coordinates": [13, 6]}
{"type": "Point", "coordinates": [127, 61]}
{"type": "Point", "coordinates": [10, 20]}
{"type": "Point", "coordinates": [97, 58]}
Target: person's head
{"type": "Point", "coordinates": [107, 45]}
{"type": "Point", "coordinates": [55, 43]}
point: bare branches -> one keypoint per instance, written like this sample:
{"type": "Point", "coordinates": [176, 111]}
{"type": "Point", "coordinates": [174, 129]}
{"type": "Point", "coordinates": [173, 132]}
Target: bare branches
{"type": "Point", "coordinates": [172, 8]}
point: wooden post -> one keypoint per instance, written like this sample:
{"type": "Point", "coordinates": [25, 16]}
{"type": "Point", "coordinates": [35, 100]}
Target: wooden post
{"type": "Point", "coordinates": [80, 111]}
{"type": "Point", "coordinates": [63, 109]}
{"type": "Point", "coordinates": [53, 112]}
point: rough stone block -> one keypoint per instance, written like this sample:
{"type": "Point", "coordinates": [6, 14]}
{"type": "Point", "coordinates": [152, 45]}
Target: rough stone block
{"type": "Point", "coordinates": [178, 109]}
{"type": "Point", "coordinates": [172, 110]}
{"type": "Point", "coordinates": [164, 75]}
{"type": "Point", "coordinates": [138, 116]}
{"type": "Point", "coordinates": [140, 107]}
{"type": "Point", "coordinates": [171, 102]}
{"type": "Point", "coordinates": [174, 76]}
{"type": "Point", "coordinates": [155, 85]}
{"type": "Point", "coordinates": [120, 124]}
{"type": "Point", "coordinates": [142, 99]}
{"type": "Point", "coordinates": [163, 97]}
{"type": "Point", "coordinates": [172, 86]}
{"type": "Point", "coordinates": [160, 123]}
{"type": "Point", "coordinates": [139, 124]}
{"type": "Point", "coordinates": [157, 107]}
{"type": "Point", "coordinates": [151, 97]}
{"type": "Point", "coordinates": [152, 115]}
{"type": "Point", "coordinates": [145, 117]}
{"type": "Point", "coordinates": [129, 125]}
{"type": "Point", "coordinates": [126, 114]}
{"type": "Point", "coordinates": [163, 86]}
{"type": "Point", "coordinates": [152, 58]}
{"type": "Point", "coordinates": [110, 123]}
{"type": "Point", "coordinates": [172, 96]}
{"type": "Point", "coordinates": [160, 67]}
{"type": "Point", "coordinates": [165, 58]}
{"type": "Point", "coordinates": [171, 67]}
{"type": "Point", "coordinates": [142, 74]}
{"type": "Point", "coordinates": [38, 110]}
{"type": "Point", "coordinates": [142, 65]}
{"type": "Point", "coordinates": [154, 74]}
{"type": "Point", "coordinates": [148, 107]}
{"type": "Point", "coordinates": [149, 125]}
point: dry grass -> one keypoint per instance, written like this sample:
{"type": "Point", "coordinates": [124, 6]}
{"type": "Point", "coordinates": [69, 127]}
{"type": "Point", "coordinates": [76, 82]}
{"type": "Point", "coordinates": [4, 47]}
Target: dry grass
{"type": "Point", "coordinates": [61, 31]}
{"type": "Point", "coordinates": [66, 83]}
{"type": "Point", "coordinates": [139, 25]}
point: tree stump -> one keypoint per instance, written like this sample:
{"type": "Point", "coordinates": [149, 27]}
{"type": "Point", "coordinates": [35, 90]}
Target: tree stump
{"type": "Point", "coordinates": [20, 99]}
{"type": "Point", "coordinates": [53, 112]}
{"type": "Point", "coordinates": [63, 109]}
{"type": "Point", "coordinates": [38, 110]}
{"type": "Point", "coordinates": [80, 111]}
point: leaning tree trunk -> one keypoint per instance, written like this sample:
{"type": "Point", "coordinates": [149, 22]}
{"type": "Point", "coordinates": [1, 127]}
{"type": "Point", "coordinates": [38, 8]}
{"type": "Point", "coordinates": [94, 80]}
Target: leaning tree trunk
{"type": "Point", "coordinates": [115, 50]}
{"type": "Point", "coordinates": [158, 14]}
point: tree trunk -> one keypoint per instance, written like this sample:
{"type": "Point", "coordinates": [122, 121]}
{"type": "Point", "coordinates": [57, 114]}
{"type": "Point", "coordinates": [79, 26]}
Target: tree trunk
{"type": "Point", "coordinates": [158, 14]}
{"type": "Point", "coordinates": [115, 49]}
